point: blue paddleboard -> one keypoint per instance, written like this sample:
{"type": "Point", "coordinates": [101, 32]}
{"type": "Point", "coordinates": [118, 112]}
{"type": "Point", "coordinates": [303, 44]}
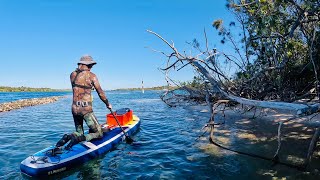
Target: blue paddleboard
{"type": "Point", "coordinates": [43, 163]}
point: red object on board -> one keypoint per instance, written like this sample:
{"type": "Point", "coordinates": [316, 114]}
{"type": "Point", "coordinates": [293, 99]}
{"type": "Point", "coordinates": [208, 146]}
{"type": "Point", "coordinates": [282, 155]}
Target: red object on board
{"type": "Point", "coordinates": [122, 118]}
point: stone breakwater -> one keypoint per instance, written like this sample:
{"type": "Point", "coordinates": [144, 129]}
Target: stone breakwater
{"type": "Point", "coordinates": [8, 106]}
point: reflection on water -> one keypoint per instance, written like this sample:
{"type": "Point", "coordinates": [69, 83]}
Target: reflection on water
{"type": "Point", "coordinates": [165, 145]}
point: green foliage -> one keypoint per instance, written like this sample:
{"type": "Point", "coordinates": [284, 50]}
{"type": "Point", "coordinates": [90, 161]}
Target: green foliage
{"type": "Point", "coordinates": [27, 89]}
{"type": "Point", "coordinates": [197, 83]}
{"type": "Point", "coordinates": [277, 35]}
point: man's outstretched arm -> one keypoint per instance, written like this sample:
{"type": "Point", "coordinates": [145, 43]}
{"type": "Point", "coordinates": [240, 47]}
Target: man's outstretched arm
{"type": "Point", "coordinates": [100, 92]}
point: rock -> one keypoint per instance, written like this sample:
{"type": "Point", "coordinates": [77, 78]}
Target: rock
{"type": "Point", "coordinates": [8, 106]}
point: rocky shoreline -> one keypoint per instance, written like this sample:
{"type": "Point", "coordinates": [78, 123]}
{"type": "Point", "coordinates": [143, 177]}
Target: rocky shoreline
{"type": "Point", "coordinates": [8, 106]}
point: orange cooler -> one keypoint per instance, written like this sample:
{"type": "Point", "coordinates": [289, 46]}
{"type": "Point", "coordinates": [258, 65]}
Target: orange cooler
{"type": "Point", "coordinates": [123, 115]}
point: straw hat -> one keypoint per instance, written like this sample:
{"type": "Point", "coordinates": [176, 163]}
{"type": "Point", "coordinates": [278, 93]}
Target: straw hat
{"type": "Point", "coordinates": [86, 60]}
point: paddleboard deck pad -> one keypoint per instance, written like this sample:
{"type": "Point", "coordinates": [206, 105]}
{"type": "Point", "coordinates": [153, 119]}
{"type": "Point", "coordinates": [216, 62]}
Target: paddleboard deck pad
{"type": "Point", "coordinates": [43, 163]}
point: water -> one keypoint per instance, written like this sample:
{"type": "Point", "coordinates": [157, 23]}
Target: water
{"type": "Point", "coordinates": [13, 96]}
{"type": "Point", "coordinates": [166, 146]}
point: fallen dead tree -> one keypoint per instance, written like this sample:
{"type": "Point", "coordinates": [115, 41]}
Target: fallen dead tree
{"type": "Point", "coordinates": [195, 61]}
{"type": "Point", "coordinates": [217, 92]}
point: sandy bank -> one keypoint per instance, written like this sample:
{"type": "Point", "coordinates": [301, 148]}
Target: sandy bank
{"type": "Point", "coordinates": [8, 106]}
{"type": "Point", "coordinates": [257, 133]}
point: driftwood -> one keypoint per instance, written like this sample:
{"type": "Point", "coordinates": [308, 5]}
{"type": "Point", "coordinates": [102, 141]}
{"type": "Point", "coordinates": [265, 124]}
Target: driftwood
{"type": "Point", "coordinates": [299, 108]}
{"type": "Point", "coordinates": [212, 74]}
{"type": "Point", "coordinates": [312, 145]}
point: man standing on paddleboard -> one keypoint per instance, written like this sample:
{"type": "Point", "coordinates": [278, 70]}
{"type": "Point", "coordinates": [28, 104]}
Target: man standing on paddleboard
{"type": "Point", "coordinates": [82, 81]}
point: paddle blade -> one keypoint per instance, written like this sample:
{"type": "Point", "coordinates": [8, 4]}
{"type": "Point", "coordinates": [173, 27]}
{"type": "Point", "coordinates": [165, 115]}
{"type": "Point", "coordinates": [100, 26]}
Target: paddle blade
{"type": "Point", "coordinates": [129, 140]}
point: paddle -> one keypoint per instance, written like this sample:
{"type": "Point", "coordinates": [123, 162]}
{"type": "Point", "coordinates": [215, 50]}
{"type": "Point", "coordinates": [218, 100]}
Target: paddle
{"type": "Point", "coordinates": [129, 140]}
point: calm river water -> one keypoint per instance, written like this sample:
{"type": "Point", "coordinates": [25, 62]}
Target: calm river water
{"type": "Point", "coordinates": [165, 148]}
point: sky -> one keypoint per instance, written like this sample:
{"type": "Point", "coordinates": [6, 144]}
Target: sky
{"type": "Point", "coordinates": [41, 41]}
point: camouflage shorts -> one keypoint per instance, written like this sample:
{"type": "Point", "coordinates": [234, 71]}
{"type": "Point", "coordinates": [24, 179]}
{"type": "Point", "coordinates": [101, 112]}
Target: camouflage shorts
{"type": "Point", "coordinates": [92, 123]}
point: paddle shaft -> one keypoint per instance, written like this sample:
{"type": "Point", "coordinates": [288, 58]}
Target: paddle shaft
{"type": "Point", "coordinates": [125, 134]}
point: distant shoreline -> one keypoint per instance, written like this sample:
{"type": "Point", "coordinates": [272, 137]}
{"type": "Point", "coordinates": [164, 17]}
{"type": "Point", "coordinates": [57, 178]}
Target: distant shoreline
{"type": "Point", "coordinates": [29, 89]}
{"type": "Point", "coordinates": [140, 89]}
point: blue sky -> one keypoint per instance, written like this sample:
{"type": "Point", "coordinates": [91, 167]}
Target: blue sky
{"type": "Point", "coordinates": [41, 41]}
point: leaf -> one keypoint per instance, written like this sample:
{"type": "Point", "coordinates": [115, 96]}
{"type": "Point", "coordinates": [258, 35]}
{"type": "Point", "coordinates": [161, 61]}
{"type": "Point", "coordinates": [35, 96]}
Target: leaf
{"type": "Point", "coordinates": [217, 24]}
{"type": "Point", "coordinates": [251, 11]}
{"type": "Point", "coordinates": [232, 23]}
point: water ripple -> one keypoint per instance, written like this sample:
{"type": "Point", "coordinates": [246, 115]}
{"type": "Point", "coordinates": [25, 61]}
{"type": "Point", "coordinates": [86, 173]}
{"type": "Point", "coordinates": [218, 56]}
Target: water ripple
{"type": "Point", "coordinates": [164, 148]}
